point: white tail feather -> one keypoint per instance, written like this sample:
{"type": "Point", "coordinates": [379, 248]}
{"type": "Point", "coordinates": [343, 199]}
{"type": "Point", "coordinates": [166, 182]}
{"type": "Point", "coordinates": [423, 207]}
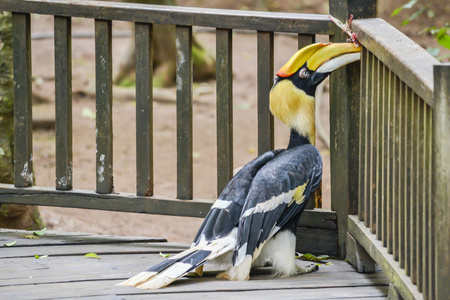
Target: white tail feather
{"type": "Point", "coordinates": [137, 279]}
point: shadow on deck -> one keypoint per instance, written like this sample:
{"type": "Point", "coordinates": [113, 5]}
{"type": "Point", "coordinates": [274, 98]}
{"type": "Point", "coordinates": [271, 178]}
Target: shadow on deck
{"type": "Point", "coordinates": [67, 273]}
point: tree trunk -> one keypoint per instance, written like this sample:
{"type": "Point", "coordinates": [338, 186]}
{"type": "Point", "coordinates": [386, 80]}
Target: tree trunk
{"type": "Point", "coordinates": [164, 55]}
{"type": "Point", "coordinates": [11, 215]}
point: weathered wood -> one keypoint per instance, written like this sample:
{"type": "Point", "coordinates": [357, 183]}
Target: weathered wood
{"type": "Point", "coordinates": [224, 96]}
{"type": "Point", "coordinates": [307, 241]}
{"type": "Point", "coordinates": [375, 249]}
{"type": "Point", "coordinates": [23, 138]}
{"type": "Point", "coordinates": [428, 215]}
{"type": "Point", "coordinates": [395, 85]}
{"type": "Point", "coordinates": [67, 273]}
{"type": "Point", "coordinates": [184, 112]}
{"type": "Point", "coordinates": [265, 82]}
{"type": "Point", "coordinates": [358, 257]}
{"type": "Point", "coordinates": [344, 122]}
{"type": "Point", "coordinates": [132, 203]}
{"type": "Point", "coordinates": [103, 104]}
{"type": "Point", "coordinates": [441, 179]}
{"type": "Point", "coordinates": [144, 109]}
{"type": "Point", "coordinates": [363, 136]}
{"type": "Point", "coordinates": [177, 15]}
{"type": "Point", "coordinates": [393, 294]}
{"type": "Point", "coordinates": [63, 102]}
{"type": "Point", "coordinates": [414, 67]}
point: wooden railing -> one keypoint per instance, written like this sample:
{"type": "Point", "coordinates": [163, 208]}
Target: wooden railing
{"type": "Point", "coordinates": [399, 136]}
{"type": "Point", "coordinates": [264, 24]}
{"type": "Point", "coordinates": [389, 129]}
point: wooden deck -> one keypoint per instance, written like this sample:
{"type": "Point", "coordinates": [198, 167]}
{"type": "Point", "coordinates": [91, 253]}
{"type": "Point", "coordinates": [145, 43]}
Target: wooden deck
{"type": "Point", "coordinates": [66, 273]}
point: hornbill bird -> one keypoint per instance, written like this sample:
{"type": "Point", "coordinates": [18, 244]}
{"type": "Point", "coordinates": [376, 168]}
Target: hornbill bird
{"type": "Point", "coordinates": [253, 221]}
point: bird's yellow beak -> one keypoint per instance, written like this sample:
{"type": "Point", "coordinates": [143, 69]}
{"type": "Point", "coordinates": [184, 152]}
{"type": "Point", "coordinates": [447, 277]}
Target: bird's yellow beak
{"type": "Point", "coordinates": [321, 57]}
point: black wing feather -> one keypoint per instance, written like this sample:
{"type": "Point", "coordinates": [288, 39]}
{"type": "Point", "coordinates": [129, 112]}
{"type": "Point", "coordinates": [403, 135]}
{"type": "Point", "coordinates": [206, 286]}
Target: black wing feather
{"type": "Point", "coordinates": [219, 222]}
{"type": "Point", "coordinates": [283, 174]}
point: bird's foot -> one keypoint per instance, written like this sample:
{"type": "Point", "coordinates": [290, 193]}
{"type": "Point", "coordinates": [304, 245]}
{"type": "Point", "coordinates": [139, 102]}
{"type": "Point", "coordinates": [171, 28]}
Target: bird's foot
{"type": "Point", "coordinates": [307, 269]}
{"type": "Point", "coordinates": [223, 275]}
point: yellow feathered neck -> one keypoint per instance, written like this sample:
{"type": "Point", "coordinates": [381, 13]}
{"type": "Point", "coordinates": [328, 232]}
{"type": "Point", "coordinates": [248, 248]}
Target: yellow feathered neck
{"type": "Point", "coordinates": [294, 108]}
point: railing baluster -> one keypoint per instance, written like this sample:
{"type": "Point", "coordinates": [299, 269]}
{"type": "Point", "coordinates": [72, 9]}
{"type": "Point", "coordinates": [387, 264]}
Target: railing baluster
{"type": "Point", "coordinates": [362, 135]}
{"type": "Point", "coordinates": [373, 145]}
{"type": "Point", "coordinates": [224, 79]}
{"type": "Point", "coordinates": [402, 187]}
{"type": "Point", "coordinates": [420, 158]}
{"type": "Point", "coordinates": [385, 210]}
{"type": "Point", "coordinates": [431, 235]}
{"type": "Point", "coordinates": [265, 81]}
{"type": "Point", "coordinates": [144, 108]}
{"type": "Point", "coordinates": [379, 156]}
{"type": "Point", "coordinates": [389, 163]}
{"type": "Point", "coordinates": [396, 194]}
{"type": "Point", "coordinates": [441, 177]}
{"type": "Point", "coordinates": [369, 117]}
{"type": "Point", "coordinates": [23, 138]}
{"type": "Point", "coordinates": [407, 178]}
{"type": "Point", "coordinates": [184, 112]}
{"type": "Point", "coordinates": [103, 78]}
{"type": "Point", "coordinates": [413, 186]}
{"type": "Point", "coordinates": [63, 102]}
{"type": "Point", "coordinates": [305, 40]}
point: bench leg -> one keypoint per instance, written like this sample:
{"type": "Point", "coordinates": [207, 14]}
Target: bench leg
{"type": "Point", "coordinates": [358, 257]}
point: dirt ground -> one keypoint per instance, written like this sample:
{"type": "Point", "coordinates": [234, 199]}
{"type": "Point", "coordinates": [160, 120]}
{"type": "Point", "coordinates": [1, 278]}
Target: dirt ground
{"type": "Point", "coordinates": [177, 229]}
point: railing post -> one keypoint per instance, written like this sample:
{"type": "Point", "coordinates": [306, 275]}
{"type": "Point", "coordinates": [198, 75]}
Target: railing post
{"type": "Point", "coordinates": [344, 122]}
{"type": "Point", "coordinates": [441, 178]}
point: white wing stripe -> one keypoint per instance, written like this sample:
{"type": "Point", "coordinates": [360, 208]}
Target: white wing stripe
{"type": "Point", "coordinates": [270, 204]}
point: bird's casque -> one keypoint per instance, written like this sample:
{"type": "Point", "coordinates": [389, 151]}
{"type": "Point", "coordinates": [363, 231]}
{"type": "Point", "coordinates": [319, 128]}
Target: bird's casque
{"type": "Point", "coordinates": [254, 220]}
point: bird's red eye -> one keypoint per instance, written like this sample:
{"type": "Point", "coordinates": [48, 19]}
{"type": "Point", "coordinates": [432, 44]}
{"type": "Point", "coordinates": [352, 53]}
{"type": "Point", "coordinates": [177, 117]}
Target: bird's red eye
{"type": "Point", "coordinates": [303, 73]}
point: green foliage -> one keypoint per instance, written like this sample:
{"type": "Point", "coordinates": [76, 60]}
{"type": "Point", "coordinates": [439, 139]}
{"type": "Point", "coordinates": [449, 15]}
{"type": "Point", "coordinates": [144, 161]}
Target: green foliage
{"type": "Point", "coordinates": [440, 33]}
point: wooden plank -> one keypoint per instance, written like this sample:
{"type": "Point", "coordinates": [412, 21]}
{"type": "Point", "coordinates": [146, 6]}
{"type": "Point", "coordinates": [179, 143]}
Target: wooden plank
{"type": "Point", "coordinates": [23, 139]}
{"type": "Point", "coordinates": [362, 135]}
{"type": "Point", "coordinates": [79, 250]}
{"type": "Point", "coordinates": [358, 257]}
{"type": "Point", "coordinates": [308, 241]}
{"type": "Point", "coordinates": [224, 98]}
{"type": "Point", "coordinates": [344, 123]}
{"type": "Point", "coordinates": [396, 167]}
{"type": "Point", "coordinates": [408, 178]}
{"type": "Point", "coordinates": [184, 112]}
{"type": "Point", "coordinates": [265, 82]}
{"type": "Point", "coordinates": [63, 238]}
{"type": "Point", "coordinates": [305, 40]}
{"type": "Point", "coordinates": [178, 15]}
{"type": "Point", "coordinates": [420, 196]}
{"type": "Point", "coordinates": [103, 100]}
{"type": "Point", "coordinates": [413, 187]}
{"type": "Point", "coordinates": [144, 109]}
{"type": "Point", "coordinates": [402, 175]}
{"type": "Point", "coordinates": [373, 147]}
{"type": "Point", "coordinates": [63, 102]}
{"type": "Point", "coordinates": [378, 200]}
{"type": "Point", "coordinates": [414, 67]}
{"type": "Point", "coordinates": [391, 200]}
{"type": "Point", "coordinates": [131, 203]}
{"type": "Point", "coordinates": [428, 222]}
{"type": "Point", "coordinates": [384, 153]}
{"type": "Point", "coordinates": [441, 178]}
{"type": "Point", "coordinates": [67, 273]}
{"type": "Point", "coordinates": [394, 272]}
